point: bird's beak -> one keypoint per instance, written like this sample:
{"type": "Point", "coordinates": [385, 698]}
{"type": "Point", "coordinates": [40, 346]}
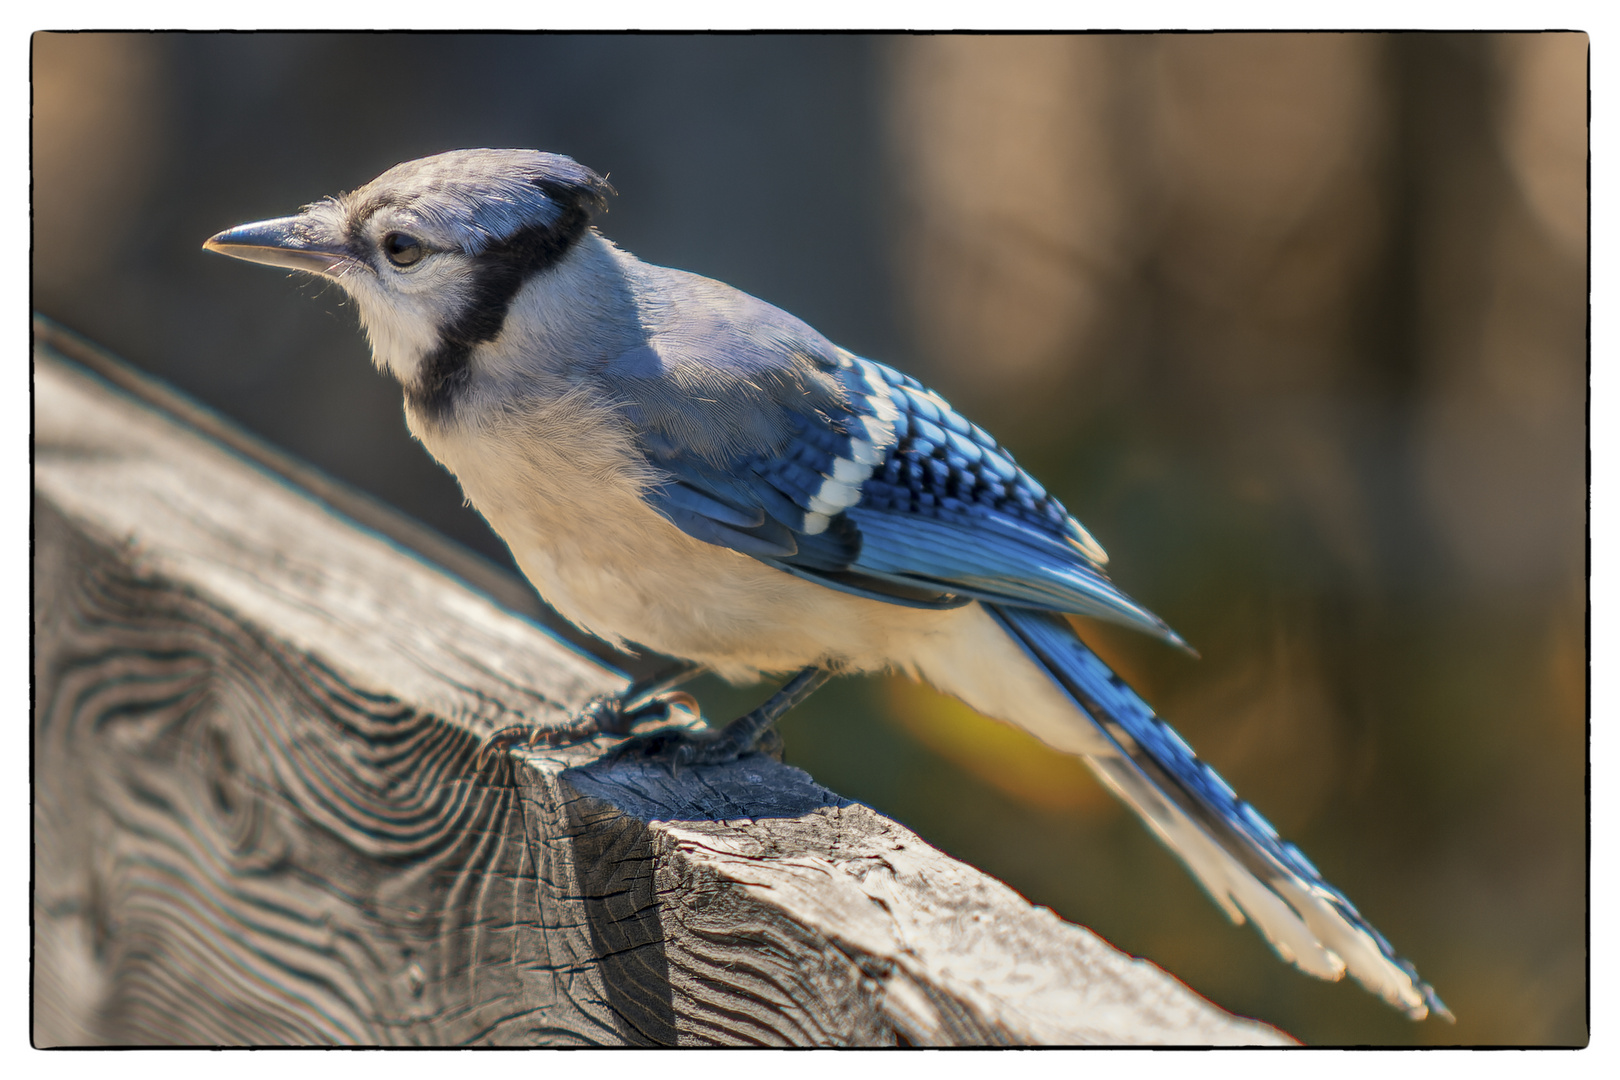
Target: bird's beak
{"type": "Point", "coordinates": [292, 242]}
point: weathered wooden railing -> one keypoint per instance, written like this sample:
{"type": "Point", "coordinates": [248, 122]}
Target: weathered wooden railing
{"type": "Point", "coordinates": [258, 818]}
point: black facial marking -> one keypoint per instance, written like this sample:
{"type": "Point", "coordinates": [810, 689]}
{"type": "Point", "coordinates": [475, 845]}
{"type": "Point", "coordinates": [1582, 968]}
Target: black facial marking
{"type": "Point", "coordinates": [498, 273]}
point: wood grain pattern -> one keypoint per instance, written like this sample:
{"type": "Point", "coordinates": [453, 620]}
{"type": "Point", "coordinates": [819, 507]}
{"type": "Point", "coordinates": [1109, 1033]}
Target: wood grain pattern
{"type": "Point", "coordinates": [259, 819]}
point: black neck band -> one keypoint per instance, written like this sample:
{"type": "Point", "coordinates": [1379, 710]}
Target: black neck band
{"type": "Point", "coordinates": [498, 273]}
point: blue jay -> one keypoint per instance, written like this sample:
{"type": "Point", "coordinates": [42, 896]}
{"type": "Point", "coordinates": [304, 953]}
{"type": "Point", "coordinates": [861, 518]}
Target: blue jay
{"type": "Point", "coordinates": [678, 465]}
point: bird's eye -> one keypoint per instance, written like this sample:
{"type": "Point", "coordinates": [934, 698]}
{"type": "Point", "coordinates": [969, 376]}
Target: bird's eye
{"type": "Point", "coordinates": [403, 249]}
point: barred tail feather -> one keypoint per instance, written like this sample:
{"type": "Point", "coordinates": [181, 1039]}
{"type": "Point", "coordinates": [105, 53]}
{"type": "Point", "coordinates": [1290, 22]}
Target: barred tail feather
{"type": "Point", "coordinates": [1234, 853]}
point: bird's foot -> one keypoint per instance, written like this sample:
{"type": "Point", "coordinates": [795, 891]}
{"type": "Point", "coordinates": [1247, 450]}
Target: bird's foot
{"type": "Point", "coordinates": [749, 734]}
{"type": "Point", "coordinates": [679, 747]}
{"type": "Point", "coordinates": [616, 714]}
{"type": "Point", "coordinates": [605, 714]}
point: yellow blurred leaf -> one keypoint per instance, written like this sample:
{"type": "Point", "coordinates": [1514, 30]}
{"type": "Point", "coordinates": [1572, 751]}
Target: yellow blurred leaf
{"type": "Point", "coordinates": [1002, 756]}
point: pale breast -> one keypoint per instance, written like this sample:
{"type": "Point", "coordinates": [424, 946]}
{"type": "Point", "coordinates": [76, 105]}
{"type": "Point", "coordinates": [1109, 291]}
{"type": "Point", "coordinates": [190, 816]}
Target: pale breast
{"type": "Point", "coordinates": [562, 486]}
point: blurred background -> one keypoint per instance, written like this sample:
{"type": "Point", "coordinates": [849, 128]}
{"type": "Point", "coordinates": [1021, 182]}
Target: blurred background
{"type": "Point", "coordinates": [1295, 324]}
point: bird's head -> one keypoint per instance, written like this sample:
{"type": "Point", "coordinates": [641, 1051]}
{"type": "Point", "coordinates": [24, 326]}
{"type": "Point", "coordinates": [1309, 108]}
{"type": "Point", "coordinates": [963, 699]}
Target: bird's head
{"type": "Point", "coordinates": [433, 251]}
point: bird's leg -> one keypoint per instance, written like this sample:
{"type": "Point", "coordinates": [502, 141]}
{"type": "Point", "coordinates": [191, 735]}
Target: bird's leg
{"type": "Point", "coordinates": [742, 735]}
{"type": "Point", "coordinates": [618, 714]}
{"type": "Point", "coordinates": [648, 698]}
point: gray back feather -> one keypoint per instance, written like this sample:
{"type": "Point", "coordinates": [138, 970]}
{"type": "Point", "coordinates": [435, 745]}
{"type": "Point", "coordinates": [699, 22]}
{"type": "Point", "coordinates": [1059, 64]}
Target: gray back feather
{"type": "Point", "coordinates": [719, 374]}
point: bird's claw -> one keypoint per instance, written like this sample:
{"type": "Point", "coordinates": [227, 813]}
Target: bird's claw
{"type": "Point", "coordinates": [605, 714]}
{"type": "Point", "coordinates": [683, 747]}
{"type": "Point", "coordinates": [753, 732]}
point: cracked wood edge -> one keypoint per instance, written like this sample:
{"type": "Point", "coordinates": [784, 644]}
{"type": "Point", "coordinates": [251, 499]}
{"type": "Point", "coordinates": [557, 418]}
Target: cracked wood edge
{"type": "Point", "coordinates": [258, 821]}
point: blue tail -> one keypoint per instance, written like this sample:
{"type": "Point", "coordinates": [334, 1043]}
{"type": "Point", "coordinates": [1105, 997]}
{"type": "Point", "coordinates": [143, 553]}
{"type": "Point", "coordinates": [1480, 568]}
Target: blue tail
{"type": "Point", "coordinates": [1234, 852]}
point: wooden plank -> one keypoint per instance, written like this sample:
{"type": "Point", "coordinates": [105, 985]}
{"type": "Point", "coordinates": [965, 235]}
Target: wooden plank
{"type": "Point", "coordinates": [259, 820]}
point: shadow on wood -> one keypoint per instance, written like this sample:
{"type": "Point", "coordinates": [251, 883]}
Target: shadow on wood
{"type": "Point", "coordinates": [259, 820]}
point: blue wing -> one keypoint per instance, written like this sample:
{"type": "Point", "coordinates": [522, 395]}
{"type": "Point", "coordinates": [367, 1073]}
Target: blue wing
{"type": "Point", "coordinates": [894, 496]}
{"type": "Point", "coordinates": [891, 494]}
